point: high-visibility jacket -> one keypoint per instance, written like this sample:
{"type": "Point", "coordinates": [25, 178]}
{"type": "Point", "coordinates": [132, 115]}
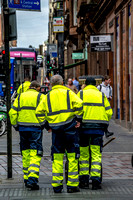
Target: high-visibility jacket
{"type": "Point", "coordinates": [24, 107]}
{"type": "Point", "coordinates": [61, 106]}
{"type": "Point", "coordinates": [23, 87]}
{"type": "Point", "coordinates": [96, 108]}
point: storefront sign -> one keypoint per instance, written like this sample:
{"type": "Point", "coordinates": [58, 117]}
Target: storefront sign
{"type": "Point", "coordinates": [100, 43]}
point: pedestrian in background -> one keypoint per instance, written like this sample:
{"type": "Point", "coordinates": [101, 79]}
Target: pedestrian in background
{"type": "Point", "coordinates": [63, 110]}
{"type": "Point", "coordinates": [76, 83]}
{"type": "Point", "coordinates": [96, 115]}
{"type": "Point", "coordinates": [106, 88]}
{"type": "Point", "coordinates": [24, 86]}
{"type": "Point", "coordinates": [71, 86]}
{"type": "Point", "coordinates": [23, 118]}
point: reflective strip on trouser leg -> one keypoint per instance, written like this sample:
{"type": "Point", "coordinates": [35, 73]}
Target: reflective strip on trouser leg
{"type": "Point", "coordinates": [84, 161]}
{"type": "Point", "coordinates": [73, 177]}
{"type": "Point", "coordinates": [57, 169]}
{"type": "Point", "coordinates": [96, 160]}
{"type": "Point", "coordinates": [26, 162]}
{"type": "Point", "coordinates": [34, 164]}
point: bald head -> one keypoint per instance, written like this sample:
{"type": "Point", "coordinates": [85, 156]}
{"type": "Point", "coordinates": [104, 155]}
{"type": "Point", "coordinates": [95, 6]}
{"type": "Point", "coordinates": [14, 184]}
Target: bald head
{"type": "Point", "coordinates": [56, 80]}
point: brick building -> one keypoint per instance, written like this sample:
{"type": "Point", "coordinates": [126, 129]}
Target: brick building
{"type": "Point", "coordinates": [86, 17]}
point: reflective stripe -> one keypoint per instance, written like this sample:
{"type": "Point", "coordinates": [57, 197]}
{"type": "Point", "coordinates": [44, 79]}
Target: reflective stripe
{"type": "Point", "coordinates": [28, 124]}
{"type": "Point", "coordinates": [84, 162]}
{"type": "Point", "coordinates": [84, 168]}
{"type": "Point", "coordinates": [96, 121]}
{"type": "Point", "coordinates": [38, 99]}
{"type": "Point", "coordinates": [26, 174]}
{"type": "Point", "coordinates": [34, 165]}
{"type": "Point", "coordinates": [57, 181]}
{"type": "Point", "coordinates": [42, 123]}
{"type": "Point", "coordinates": [25, 168]}
{"type": "Point", "coordinates": [78, 109]}
{"type": "Point", "coordinates": [79, 116]}
{"type": "Point", "coordinates": [72, 173]}
{"type": "Point", "coordinates": [49, 104]}
{"type": "Point", "coordinates": [14, 108]}
{"type": "Point", "coordinates": [73, 180]}
{"type": "Point", "coordinates": [81, 94]}
{"type": "Point", "coordinates": [61, 123]}
{"type": "Point", "coordinates": [35, 172]}
{"type": "Point", "coordinates": [28, 108]}
{"type": "Point", "coordinates": [108, 108]}
{"type": "Point", "coordinates": [57, 174]}
{"type": "Point", "coordinates": [40, 115]}
{"type": "Point", "coordinates": [96, 163]}
{"type": "Point", "coordinates": [19, 102]}
{"type": "Point", "coordinates": [60, 111]}
{"type": "Point", "coordinates": [93, 104]}
{"type": "Point", "coordinates": [68, 100]}
{"type": "Point", "coordinates": [96, 170]}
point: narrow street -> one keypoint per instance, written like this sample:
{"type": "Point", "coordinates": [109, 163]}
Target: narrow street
{"type": "Point", "coordinates": [117, 171]}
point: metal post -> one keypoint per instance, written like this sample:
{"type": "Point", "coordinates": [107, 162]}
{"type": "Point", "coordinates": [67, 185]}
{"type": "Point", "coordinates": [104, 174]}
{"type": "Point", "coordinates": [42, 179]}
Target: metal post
{"type": "Point", "coordinates": [8, 91]}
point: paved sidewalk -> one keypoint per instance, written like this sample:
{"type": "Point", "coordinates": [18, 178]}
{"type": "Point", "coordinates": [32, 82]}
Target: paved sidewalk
{"type": "Point", "coordinates": [117, 171]}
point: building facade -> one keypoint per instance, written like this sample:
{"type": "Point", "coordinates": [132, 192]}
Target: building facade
{"type": "Point", "coordinates": [90, 17]}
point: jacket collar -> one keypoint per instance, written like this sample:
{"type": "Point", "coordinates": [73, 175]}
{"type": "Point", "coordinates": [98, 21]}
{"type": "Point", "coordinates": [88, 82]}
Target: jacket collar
{"type": "Point", "coordinates": [90, 87]}
{"type": "Point", "coordinates": [60, 87]}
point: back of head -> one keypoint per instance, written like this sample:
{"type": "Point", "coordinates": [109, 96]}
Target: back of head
{"type": "Point", "coordinates": [34, 85]}
{"type": "Point", "coordinates": [90, 81]}
{"type": "Point", "coordinates": [56, 80]}
{"type": "Point", "coordinates": [27, 78]}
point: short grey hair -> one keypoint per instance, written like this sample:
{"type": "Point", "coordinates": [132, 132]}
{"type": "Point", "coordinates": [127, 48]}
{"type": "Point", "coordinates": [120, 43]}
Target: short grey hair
{"type": "Point", "coordinates": [56, 80]}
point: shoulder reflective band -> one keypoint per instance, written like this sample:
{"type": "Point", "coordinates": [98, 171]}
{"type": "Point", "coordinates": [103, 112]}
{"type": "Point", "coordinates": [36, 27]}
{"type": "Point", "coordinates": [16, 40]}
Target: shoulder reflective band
{"type": "Point", "coordinates": [38, 99]}
{"type": "Point", "coordinates": [49, 104]}
{"type": "Point", "coordinates": [81, 94]}
{"type": "Point", "coordinates": [68, 100]}
{"type": "Point", "coordinates": [19, 102]}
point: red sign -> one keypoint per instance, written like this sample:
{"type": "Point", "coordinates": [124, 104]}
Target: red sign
{"type": "Point", "coordinates": [16, 1]}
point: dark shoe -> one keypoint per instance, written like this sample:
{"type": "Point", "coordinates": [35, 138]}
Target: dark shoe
{"type": "Point", "coordinates": [72, 190]}
{"type": "Point", "coordinates": [33, 186]}
{"type": "Point", "coordinates": [84, 185]}
{"type": "Point", "coordinates": [108, 134]}
{"type": "Point", "coordinates": [96, 185]}
{"type": "Point", "coordinates": [58, 189]}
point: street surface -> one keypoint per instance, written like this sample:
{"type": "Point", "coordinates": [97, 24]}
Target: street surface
{"type": "Point", "coordinates": [117, 171]}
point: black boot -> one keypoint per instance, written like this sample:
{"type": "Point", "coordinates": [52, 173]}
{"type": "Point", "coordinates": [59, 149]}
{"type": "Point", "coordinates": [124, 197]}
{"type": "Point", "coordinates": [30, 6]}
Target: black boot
{"type": "Point", "coordinates": [96, 185]}
{"type": "Point", "coordinates": [33, 186]}
{"type": "Point", "coordinates": [84, 185]}
{"type": "Point", "coordinates": [73, 189]}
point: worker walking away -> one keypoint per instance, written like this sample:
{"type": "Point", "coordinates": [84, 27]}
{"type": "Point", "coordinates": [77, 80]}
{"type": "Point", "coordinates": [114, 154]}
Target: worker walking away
{"type": "Point", "coordinates": [24, 86]}
{"type": "Point", "coordinates": [23, 118]}
{"type": "Point", "coordinates": [96, 115]}
{"type": "Point", "coordinates": [63, 111]}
